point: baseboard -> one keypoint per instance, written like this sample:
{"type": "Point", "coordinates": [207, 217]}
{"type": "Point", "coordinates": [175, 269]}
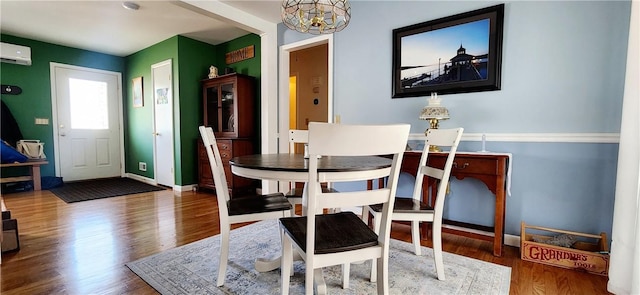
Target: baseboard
{"type": "Point", "coordinates": [175, 188]}
{"type": "Point", "coordinates": [185, 188]}
{"type": "Point", "coordinates": [511, 240]}
{"type": "Point", "coordinates": [141, 178]}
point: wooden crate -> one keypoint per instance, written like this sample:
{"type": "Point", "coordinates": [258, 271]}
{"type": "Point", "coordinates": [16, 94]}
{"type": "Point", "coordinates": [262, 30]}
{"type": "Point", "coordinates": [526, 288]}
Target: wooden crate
{"type": "Point", "coordinates": [584, 255]}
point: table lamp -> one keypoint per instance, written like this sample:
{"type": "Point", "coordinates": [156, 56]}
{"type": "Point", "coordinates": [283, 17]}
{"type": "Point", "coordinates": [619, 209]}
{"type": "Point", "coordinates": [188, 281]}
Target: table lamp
{"type": "Point", "coordinates": [434, 112]}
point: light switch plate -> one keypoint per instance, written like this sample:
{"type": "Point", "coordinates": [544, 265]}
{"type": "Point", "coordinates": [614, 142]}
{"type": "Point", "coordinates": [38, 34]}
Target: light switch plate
{"type": "Point", "coordinates": [42, 121]}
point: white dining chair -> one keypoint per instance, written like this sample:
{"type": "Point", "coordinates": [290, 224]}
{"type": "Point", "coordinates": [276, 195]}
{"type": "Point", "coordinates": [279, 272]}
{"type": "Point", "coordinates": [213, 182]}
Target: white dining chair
{"type": "Point", "coordinates": [414, 209]}
{"type": "Point", "coordinates": [294, 195]}
{"type": "Point", "coordinates": [341, 238]}
{"type": "Point", "coordinates": [237, 210]}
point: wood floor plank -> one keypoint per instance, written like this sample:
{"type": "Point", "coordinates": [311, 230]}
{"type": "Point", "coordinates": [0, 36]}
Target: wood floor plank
{"type": "Point", "coordinates": [82, 248]}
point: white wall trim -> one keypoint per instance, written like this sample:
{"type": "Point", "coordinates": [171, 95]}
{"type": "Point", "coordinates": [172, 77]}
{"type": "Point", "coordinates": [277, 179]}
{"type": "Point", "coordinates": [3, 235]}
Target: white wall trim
{"type": "Point", "coordinates": [511, 240]}
{"type": "Point", "coordinates": [536, 137]}
{"type": "Point", "coordinates": [185, 188]}
{"type": "Point", "coordinates": [141, 178]}
{"type": "Point", "coordinates": [268, 33]}
{"type": "Point", "coordinates": [175, 188]}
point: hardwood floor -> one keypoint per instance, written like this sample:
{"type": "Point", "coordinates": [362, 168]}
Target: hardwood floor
{"type": "Point", "coordinates": [82, 248]}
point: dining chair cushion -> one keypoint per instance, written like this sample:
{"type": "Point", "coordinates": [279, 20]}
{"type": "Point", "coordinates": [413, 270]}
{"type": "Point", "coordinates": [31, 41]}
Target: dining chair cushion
{"type": "Point", "coordinates": [331, 232]}
{"type": "Point", "coordinates": [406, 205]}
{"type": "Point", "coordinates": [257, 204]}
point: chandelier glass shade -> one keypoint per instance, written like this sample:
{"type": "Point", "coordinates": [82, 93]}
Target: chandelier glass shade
{"type": "Point", "coordinates": [316, 16]}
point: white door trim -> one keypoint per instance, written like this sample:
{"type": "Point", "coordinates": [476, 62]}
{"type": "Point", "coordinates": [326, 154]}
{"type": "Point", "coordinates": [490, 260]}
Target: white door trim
{"type": "Point", "coordinates": [54, 110]}
{"type": "Point", "coordinates": [283, 83]}
{"type": "Point", "coordinates": [283, 103]}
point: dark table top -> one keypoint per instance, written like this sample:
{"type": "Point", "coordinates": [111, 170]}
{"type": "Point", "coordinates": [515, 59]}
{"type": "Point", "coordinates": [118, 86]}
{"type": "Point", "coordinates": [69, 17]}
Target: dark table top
{"type": "Point", "coordinates": [297, 163]}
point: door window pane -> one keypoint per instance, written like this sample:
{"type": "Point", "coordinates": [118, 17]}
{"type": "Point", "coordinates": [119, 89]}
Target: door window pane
{"type": "Point", "coordinates": [88, 104]}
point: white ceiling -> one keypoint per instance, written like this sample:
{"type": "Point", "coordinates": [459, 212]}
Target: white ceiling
{"type": "Point", "coordinates": [107, 27]}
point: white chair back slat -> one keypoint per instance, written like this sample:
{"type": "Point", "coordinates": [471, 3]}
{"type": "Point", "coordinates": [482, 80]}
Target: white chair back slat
{"type": "Point", "coordinates": [217, 168]}
{"type": "Point", "coordinates": [297, 136]}
{"type": "Point", "coordinates": [359, 143]}
{"type": "Point", "coordinates": [432, 172]}
{"type": "Point", "coordinates": [353, 199]}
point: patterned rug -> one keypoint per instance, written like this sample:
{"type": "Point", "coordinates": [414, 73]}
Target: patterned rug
{"type": "Point", "coordinates": [101, 188]}
{"type": "Point", "coordinates": [192, 269]}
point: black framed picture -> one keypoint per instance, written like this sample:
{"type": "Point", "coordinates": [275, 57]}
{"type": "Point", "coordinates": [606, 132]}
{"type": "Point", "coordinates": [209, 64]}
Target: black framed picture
{"type": "Point", "coordinates": [455, 54]}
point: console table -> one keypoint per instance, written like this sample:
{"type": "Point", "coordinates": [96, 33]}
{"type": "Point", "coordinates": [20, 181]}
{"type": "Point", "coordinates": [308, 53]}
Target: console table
{"type": "Point", "coordinates": [490, 168]}
{"type": "Point", "coordinates": [34, 172]}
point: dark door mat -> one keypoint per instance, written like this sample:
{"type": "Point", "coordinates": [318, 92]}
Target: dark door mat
{"type": "Point", "coordinates": [101, 188]}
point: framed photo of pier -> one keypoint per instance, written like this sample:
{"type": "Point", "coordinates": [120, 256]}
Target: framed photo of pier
{"type": "Point", "coordinates": [454, 54]}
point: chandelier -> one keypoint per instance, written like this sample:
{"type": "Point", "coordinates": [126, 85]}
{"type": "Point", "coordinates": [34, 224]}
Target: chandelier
{"type": "Point", "coordinates": [316, 16]}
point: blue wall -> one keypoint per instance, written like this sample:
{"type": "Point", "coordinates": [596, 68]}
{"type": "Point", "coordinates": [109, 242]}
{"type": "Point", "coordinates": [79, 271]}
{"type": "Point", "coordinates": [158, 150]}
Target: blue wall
{"type": "Point", "coordinates": [563, 67]}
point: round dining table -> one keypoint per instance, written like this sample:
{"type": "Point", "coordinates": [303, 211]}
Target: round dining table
{"type": "Point", "coordinates": [295, 168]}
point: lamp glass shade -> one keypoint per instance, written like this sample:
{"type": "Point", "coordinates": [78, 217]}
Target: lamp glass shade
{"type": "Point", "coordinates": [434, 112]}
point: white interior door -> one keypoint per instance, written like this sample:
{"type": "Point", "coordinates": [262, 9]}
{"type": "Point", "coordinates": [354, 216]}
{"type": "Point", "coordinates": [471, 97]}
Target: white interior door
{"type": "Point", "coordinates": [87, 114]}
{"type": "Point", "coordinates": [163, 123]}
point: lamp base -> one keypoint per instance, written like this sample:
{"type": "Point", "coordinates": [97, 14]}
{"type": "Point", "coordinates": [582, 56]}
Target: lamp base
{"type": "Point", "coordinates": [433, 148]}
{"type": "Point", "coordinates": [434, 123]}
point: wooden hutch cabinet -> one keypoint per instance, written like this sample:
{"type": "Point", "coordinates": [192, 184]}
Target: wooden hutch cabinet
{"type": "Point", "coordinates": [230, 109]}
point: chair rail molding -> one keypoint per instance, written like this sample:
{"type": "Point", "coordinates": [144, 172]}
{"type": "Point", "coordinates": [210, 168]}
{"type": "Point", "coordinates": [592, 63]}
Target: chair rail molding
{"type": "Point", "coordinates": [536, 137]}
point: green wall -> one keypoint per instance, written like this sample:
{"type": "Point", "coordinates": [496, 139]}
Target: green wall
{"type": "Point", "coordinates": [195, 59]}
{"type": "Point", "coordinates": [191, 60]}
{"type": "Point", "coordinates": [35, 81]}
{"type": "Point", "coordinates": [138, 138]}
{"type": "Point", "coordinates": [250, 66]}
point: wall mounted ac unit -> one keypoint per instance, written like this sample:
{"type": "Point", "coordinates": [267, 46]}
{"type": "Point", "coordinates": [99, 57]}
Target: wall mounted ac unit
{"type": "Point", "coordinates": [15, 54]}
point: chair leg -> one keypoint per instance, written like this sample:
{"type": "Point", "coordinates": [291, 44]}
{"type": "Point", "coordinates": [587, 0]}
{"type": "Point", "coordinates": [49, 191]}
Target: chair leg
{"type": "Point", "coordinates": [415, 236]}
{"type": "Point", "coordinates": [286, 266]}
{"type": "Point", "coordinates": [224, 253]}
{"type": "Point", "coordinates": [383, 274]}
{"type": "Point", "coordinates": [437, 251]}
{"type": "Point", "coordinates": [377, 222]}
{"type": "Point", "coordinates": [346, 269]}
{"type": "Point", "coordinates": [309, 279]}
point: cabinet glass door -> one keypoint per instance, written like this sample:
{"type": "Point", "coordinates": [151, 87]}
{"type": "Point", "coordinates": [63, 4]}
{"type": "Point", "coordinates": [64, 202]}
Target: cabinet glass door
{"type": "Point", "coordinates": [228, 109]}
{"type": "Point", "coordinates": [212, 108]}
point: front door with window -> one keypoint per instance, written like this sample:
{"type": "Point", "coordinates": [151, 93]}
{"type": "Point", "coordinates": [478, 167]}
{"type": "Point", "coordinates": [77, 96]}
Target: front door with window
{"type": "Point", "coordinates": [87, 117]}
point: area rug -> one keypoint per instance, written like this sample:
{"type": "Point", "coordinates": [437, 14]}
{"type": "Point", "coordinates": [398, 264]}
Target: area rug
{"type": "Point", "coordinates": [193, 268]}
{"type": "Point", "coordinates": [101, 188]}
